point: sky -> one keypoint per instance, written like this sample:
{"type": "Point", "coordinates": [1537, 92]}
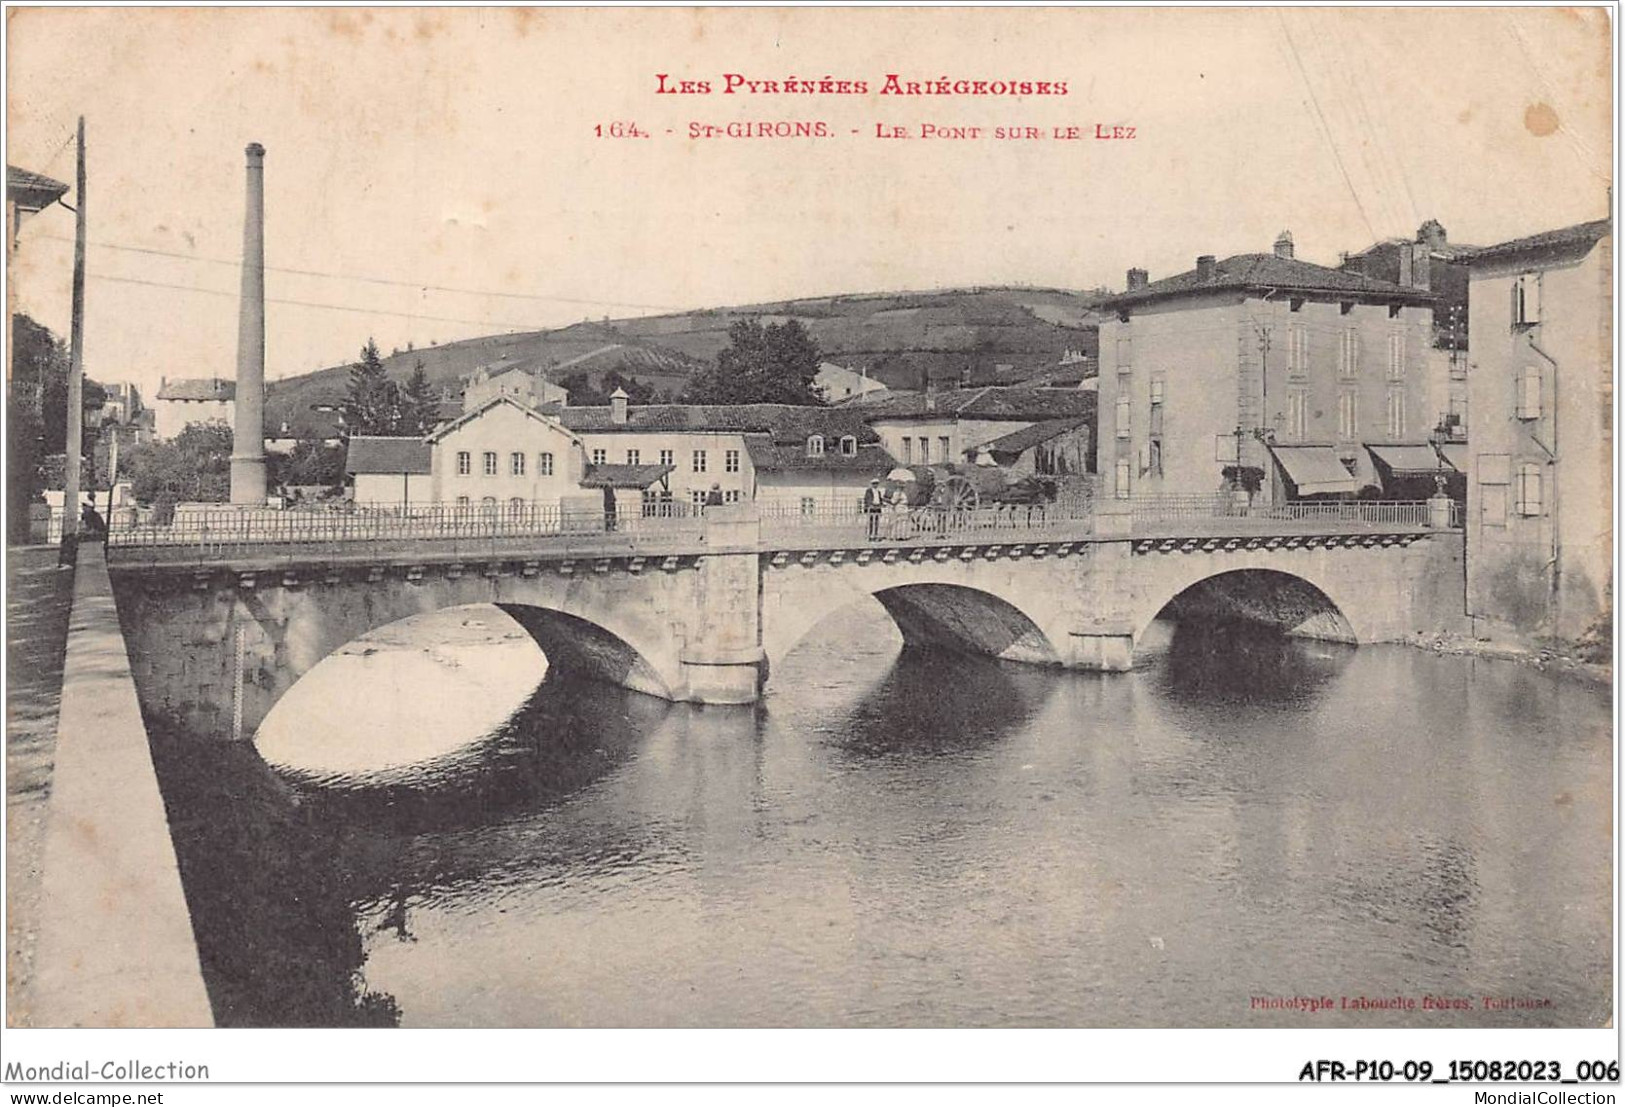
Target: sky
{"type": "Point", "coordinates": [434, 174]}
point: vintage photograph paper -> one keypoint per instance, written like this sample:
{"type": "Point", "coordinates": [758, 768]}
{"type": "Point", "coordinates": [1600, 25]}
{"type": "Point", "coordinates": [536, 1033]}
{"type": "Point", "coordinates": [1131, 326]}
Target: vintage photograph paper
{"type": "Point", "coordinates": [799, 517]}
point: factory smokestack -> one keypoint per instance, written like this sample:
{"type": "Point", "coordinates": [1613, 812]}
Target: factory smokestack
{"type": "Point", "coordinates": [248, 435]}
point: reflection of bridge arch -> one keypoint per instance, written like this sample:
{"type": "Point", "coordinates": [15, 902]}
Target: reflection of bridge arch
{"type": "Point", "coordinates": [934, 607]}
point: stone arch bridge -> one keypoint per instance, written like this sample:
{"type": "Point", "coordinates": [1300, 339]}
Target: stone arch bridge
{"type": "Point", "coordinates": [704, 617]}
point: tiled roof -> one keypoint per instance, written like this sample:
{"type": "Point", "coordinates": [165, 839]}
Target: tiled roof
{"type": "Point", "coordinates": [992, 402]}
{"type": "Point", "coordinates": [1017, 441]}
{"type": "Point", "coordinates": [198, 388]}
{"type": "Point", "coordinates": [771, 457]}
{"type": "Point", "coordinates": [44, 189]}
{"type": "Point", "coordinates": [1267, 271]}
{"type": "Point", "coordinates": [388, 455]}
{"type": "Point", "coordinates": [1581, 234]}
{"type": "Point", "coordinates": [784, 423]}
{"type": "Point", "coordinates": [549, 416]}
{"type": "Point", "coordinates": [623, 476]}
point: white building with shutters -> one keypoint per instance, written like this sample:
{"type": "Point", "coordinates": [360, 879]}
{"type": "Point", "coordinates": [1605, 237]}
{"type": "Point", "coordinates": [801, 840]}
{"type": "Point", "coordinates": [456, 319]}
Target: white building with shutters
{"type": "Point", "coordinates": [1540, 431]}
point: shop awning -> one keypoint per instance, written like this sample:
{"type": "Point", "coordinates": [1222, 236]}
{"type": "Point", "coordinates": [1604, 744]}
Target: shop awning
{"type": "Point", "coordinates": [1314, 469]}
{"type": "Point", "coordinates": [624, 476]}
{"type": "Point", "coordinates": [1455, 454]}
{"type": "Point", "coordinates": [1408, 461]}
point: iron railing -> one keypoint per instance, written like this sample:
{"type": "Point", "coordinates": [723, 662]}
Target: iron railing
{"type": "Point", "coordinates": [1151, 510]}
{"type": "Point", "coordinates": [214, 532]}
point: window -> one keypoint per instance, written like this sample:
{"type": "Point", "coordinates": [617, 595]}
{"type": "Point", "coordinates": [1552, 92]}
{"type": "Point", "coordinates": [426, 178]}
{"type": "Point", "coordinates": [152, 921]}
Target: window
{"type": "Point", "coordinates": [667, 457]}
{"type": "Point", "coordinates": [1458, 366]}
{"type": "Point", "coordinates": [1396, 413]}
{"type": "Point", "coordinates": [697, 498]}
{"type": "Point", "coordinates": [1526, 300]}
{"type": "Point", "coordinates": [1393, 311]}
{"type": "Point", "coordinates": [1125, 415]}
{"type": "Point", "coordinates": [1153, 457]}
{"type": "Point", "coordinates": [1297, 303]}
{"type": "Point", "coordinates": [599, 456]}
{"type": "Point", "coordinates": [1528, 489]}
{"type": "Point", "coordinates": [1125, 472]}
{"type": "Point", "coordinates": [849, 448]}
{"type": "Point", "coordinates": [1348, 415]}
{"type": "Point", "coordinates": [1297, 413]}
{"type": "Point", "coordinates": [815, 445]}
{"type": "Point", "coordinates": [1494, 473]}
{"type": "Point", "coordinates": [1529, 392]}
{"type": "Point", "coordinates": [1125, 354]}
{"type": "Point", "coordinates": [731, 496]}
{"type": "Point", "coordinates": [491, 464]}
{"type": "Point", "coordinates": [462, 501]}
{"type": "Point", "coordinates": [488, 504]}
{"type": "Point", "coordinates": [730, 461]}
{"type": "Point", "coordinates": [908, 451]}
{"type": "Point", "coordinates": [1156, 390]}
{"type": "Point", "coordinates": [699, 461]}
{"type": "Point", "coordinates": [1348, 354]}
{"type": "Point", "coordinates": [1396, 356]}
{"type": "Point", "coordinates": [464, 465]}
{"type": "Point", "coordinates": [1346, 306]}
{"type": "Point", "coordinates": [633, 457]}
{"type": "Point", "coordinates": [944, 450]}
{"type": "Point", "coordinates": [544, 464]}
{"type": "Point", "coordinates": [809, 506]}
{"type": "Point", "coordinates": [516, 464]}
{"type": "Point", "coordinates": [1297, 349]}
{"type": "Point", "coordinates": [925, 450]}
{"type": "Point", "coordinates": [516, 506]}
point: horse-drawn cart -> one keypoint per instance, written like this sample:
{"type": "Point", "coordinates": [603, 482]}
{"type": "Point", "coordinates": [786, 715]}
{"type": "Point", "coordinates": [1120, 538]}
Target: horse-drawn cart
{"type": "Point", "coordinates": [936, 499]}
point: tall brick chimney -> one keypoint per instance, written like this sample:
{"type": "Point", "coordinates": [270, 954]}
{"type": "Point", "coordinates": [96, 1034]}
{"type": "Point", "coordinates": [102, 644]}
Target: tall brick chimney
{"type": "Point", "coordinates": [1283, 244]}
{"type": "Point", "coordinates": [1138, 279]}
{"type": "Point", "coordinates": [248, 433]}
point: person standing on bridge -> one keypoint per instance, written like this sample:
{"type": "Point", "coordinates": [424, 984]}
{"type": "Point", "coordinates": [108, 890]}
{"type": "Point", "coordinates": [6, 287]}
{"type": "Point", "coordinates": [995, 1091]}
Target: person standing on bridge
{"type": "Point", "coordinates": [873, 501]}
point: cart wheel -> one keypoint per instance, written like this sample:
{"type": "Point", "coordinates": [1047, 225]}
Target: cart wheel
{"type": "Point", "coordinates": [958, 494]}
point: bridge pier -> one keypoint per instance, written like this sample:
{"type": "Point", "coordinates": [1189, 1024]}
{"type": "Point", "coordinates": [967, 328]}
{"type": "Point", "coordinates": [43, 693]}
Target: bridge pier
{"type": "Point", "coordinates": [722, 660]}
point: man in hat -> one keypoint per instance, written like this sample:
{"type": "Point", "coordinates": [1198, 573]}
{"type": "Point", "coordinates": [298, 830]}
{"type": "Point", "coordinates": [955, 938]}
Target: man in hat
{"type": "Point", "coordinates": [873, 501]}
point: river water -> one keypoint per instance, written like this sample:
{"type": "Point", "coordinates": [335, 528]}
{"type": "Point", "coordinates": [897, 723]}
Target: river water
{"type": "Point", "coordinates": [908, 839]}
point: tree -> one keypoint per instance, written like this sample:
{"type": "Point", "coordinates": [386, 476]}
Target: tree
{"type": "Point", "coordinates": [372, 402]}
{"type": "Point", "coordinates": [775, 364]}
{"type": "Point", "coordinates": [309, 463]}
{"type": "Point", "coordinates": [37, 405]}
{"type": "Point", "coordinates": [583, 393]}
{"type": "Point", "coordinates": [195, 467]}
{"type": "Point", "coordinates": [420, 407]}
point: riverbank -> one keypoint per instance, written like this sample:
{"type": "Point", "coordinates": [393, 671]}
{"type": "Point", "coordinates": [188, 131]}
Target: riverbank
{"type": "Point", "coordinates": [1568, 658]}
{"type": "Point", "coordinates": [38, 599]}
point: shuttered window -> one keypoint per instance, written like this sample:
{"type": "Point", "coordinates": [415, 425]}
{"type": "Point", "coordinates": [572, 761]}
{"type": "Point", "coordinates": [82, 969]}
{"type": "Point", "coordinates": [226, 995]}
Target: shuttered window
{"type": "Point", "coordinates": [1529, 390]}
{"type": "Point", "coordinates": [1528, 500]}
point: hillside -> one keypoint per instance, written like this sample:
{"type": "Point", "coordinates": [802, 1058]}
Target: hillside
{"type": "Point", "coordinates": [899, 336]}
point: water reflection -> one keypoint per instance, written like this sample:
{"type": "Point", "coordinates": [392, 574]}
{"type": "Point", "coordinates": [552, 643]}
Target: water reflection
{"type": "Point", "coordinates": [926, 839]}
{"type": "Point", "coordinates": [1221, 664]}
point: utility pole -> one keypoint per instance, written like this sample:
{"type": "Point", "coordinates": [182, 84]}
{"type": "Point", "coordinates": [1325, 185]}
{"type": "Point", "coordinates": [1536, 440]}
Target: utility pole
{"type": "Point", "coordinates": [76, 358]}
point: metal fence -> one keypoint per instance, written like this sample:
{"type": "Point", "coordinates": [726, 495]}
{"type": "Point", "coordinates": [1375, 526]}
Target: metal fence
{"type": "Point", "coordinates": [215, 532]}
{"type": "Point", "coordinates": [1151, 510]}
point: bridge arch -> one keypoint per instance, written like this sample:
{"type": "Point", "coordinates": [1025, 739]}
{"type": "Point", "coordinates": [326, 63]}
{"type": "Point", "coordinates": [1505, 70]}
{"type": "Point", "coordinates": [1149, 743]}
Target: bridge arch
{"type": "Point", "coordinates": [931, 611]}
{"type": "Point", "coordinates": [1293, 603]}
{"type": "Point", "coordinates": [193, 643]}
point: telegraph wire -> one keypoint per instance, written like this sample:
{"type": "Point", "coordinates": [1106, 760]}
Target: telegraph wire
{"type": "Point", "coordinates": [1325, 128]}
{"type": "Point", "coordinates": [374, 280]}
{"type": "Point", "coordinates": [322, 306]}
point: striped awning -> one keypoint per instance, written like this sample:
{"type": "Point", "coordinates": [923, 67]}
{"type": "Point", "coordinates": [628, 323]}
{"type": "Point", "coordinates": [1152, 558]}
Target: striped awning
{"type": "Point", "coordinates": [1407, 460]}
{"type": "Point", "coordinates": [1315, 470]}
